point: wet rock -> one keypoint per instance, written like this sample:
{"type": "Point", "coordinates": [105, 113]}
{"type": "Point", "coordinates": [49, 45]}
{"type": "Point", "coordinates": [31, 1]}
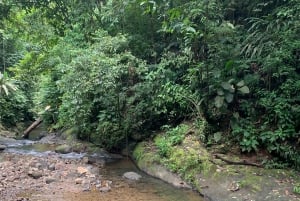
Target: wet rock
{"type": "Point", "coordinates": [63, 149]}
{"type": "Point", "coordinates": [95, 160]}
{"type": "Point", "coordinates": [132, 176]}
{"type": "Point", "coordinates": [2, 147]}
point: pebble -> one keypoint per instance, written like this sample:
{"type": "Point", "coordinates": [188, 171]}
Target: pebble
{"type": "Point", "coordinates": [49, 180]}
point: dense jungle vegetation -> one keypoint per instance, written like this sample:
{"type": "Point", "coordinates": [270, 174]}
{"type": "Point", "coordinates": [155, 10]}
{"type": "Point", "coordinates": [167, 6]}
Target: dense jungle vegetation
{"type": "Point", "coordinates": [118, 70]}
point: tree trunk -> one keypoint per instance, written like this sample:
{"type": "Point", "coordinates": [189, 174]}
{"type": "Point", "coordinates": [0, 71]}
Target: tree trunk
{"type": "Point", "coordinates": [31, 127]}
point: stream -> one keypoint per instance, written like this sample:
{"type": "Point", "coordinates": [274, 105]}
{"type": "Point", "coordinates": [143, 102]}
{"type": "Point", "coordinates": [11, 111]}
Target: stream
{"type": "Point", "coordinates": [22, 152]}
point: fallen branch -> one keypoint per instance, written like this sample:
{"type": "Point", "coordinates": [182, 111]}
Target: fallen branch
{"type": "Point", "coordinates": [31, 127]}
{"type": "Point", "coordinates": [34, 124]}
{"type": "Point", "coordinates": [243, 162]}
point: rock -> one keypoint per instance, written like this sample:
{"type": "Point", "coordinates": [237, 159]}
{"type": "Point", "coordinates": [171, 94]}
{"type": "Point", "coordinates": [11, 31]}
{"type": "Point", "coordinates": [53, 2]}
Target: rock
{"type": "Point", "coordinates": [51, 167]}
{"type": "Point", "coordinates": [85, 160]}
{"type": "Point", "coordinates": [132, 176]}
{"type": "Point", "coordinates": [105, 189]}
{"type": "Point", "coordinates": [8, 134]}
{"type": "Point", "coordinates": [35, 174]}
{"type": "Point", "coordinates": [78, 181]}
{"type": "Point", "coordinates": [49, 180]}
{"type": "Point", "coordinates": [86, 188]}
{"type": "Point", "coordinates": [38, 166]}
{"type": "Point", "coordinates": [63, 149]}
{"type": "Point", "coordinates": [2, 147]}
{"type": "Point", "coordinates": [86, 185]}
{"type": "Point", "coordinates": [82, 170]}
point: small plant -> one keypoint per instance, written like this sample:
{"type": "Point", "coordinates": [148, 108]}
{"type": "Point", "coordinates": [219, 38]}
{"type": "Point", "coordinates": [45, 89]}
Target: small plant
{"type": "Point", "coordinates": [171, 138]}
{"type": "Point", "coordinates": [296, 188]}
{"type": "Point", "coordinates": [228, 91]}
{"type": "Point", "coordinates": [164, 147]}
{"type": "Point", "coordinates": [176, 135]}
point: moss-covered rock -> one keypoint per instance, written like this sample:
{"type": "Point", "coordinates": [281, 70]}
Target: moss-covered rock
{"type": "Point", "coordinates": [63, 149]}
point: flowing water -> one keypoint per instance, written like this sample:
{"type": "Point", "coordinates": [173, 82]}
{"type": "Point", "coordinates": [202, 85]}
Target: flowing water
{"type": "Point", "coordinates": [146, 189]}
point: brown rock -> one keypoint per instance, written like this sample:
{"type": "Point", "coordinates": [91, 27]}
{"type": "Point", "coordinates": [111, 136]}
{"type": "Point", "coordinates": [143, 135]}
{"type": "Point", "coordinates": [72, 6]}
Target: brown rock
{"type": "Point", "coordinates": [82, 170]}
{"type": "Point", "coordinates": [35, 174]}
{"type": "Point", "coordinates": [78, 181]}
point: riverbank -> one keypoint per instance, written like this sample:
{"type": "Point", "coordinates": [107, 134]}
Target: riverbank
{"type": "Point", "coordinates": [217, 177]}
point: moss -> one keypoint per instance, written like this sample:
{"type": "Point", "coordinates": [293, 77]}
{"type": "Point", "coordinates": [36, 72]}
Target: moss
{"type": "Point", "coordinates": [252, 182]}
{"type": "Point", "coordinates": [143, 154]}
{"type": "Point", "coordinates": [70, 133]}
{"type": "Point", "coordinates": [139, 151]}
{"type": "Point", "coordinates": [185, 156]}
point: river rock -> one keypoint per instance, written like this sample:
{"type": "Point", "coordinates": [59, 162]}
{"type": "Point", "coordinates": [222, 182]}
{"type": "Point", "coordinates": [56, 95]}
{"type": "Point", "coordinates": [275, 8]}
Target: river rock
{"type": "Point", "coordinates": [51, 167]}
{"type": "Point", "coordinates": [104, 189]}
{"type": "Point", "coordinates": [2, 147]}
{"type": "Point", "coordinates": [49, 180]}
{"type": "Point", "coordinates": [63, 149]}
{"type": "Point", "coordinates": [82, 170]}
{"type": "Point", "coordinates": [132, 176]}
{"type": "Point", "coordinates": [78, 181]}
{"type": "Point", "coordinates": [35, 174]}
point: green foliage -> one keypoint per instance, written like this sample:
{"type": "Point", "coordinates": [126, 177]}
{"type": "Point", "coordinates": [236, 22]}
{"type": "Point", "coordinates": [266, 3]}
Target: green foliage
{"type": "Point", "coordinates": [171, 138]}
{"type": "Point", "coordinates": [296, 188]}
{"type": "Point", "coordinates": [14, 108]}
{"type": "Point", "coordinates": [228, 91]}
{"type": "Point", "coordinates": [115, 68]}
{"type": "Point", "coordinates": [182, 161]}
{"type": "Point", "coordinates": [6, 84]}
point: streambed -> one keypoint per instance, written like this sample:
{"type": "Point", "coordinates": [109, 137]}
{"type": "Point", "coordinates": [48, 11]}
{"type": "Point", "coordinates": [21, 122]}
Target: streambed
{"type": "Point", "coordinates": [70, 177]}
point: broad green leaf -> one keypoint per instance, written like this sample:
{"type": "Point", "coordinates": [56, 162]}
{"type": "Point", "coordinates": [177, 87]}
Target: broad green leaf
{"type": "Point", "coordinates": [240, 84]}
{"type": "Point", "coordinates": [226, 85]}
{"type": "Point", "coordinates": [229, 65]}
{"type": "Point", "coordinates": [230, 25]}
{"type": "Point", "coordinates": [219, 101]}
{"type": "Point", "coordinates": [216, 73]}
{"type": "Point", "coordinates": [244, 90]}
{"type": "Point", "coordinates": [231, 81]}
{"type": "Point", "coordinates": [236, 115]}
{"type": "Point", "coordinates": [217, 136]}
{"type": "Point", "coordinates": [220, 92]}
{"type": "Point", "coordinates": [229, 97]}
